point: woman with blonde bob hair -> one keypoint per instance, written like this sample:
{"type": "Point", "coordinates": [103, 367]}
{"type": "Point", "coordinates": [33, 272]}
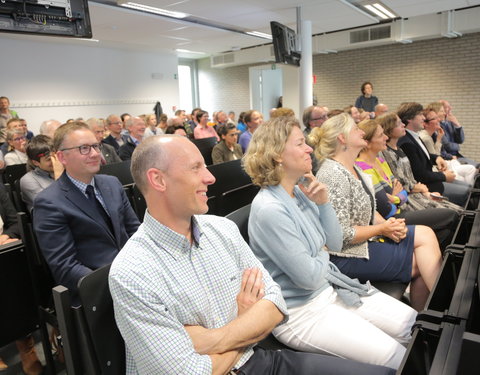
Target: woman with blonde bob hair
{"type": "Point", "coordinates": [291, 224]}
{"type": "Point", "coordinates": [374, 249]}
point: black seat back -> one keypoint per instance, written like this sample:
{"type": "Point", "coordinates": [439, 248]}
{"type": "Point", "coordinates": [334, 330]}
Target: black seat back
{"type": "Point", "coordinates": [120, 170]}
{"type": "Point", "coordinates": [240, 217]}
{"type": "Point", "coordinates": [13, 173]}
{"type": "Point", "coordinates": [106, 339]}
{"type": "Point", "coordinates": [206, 145]}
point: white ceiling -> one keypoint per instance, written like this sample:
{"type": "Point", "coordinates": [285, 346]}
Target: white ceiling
{"type": "Point", "coordinates": [115, 26]}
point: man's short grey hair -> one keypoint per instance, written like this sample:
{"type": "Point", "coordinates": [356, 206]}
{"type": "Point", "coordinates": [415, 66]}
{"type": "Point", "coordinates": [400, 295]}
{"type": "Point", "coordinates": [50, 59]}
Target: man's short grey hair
{"type": "Point", "coordinates": [91, 122]}
{"type": "Point", "coordinates": [131, 120]}
{"type": "Point", "coordinates": [108, 121]}
{"type": "Point", "coordinates": [150, 153]}
{"type": "Point", "coordinates": [48, 127]}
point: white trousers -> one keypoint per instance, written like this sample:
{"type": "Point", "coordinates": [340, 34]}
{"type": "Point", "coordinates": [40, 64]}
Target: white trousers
{"type": "Point", "coordinates": [464, 172]}
{"type": "Point", "coordinates": [372, 333]}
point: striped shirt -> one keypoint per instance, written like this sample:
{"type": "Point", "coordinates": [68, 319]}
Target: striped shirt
{"type": "Point", "coordinates": [160, 283]}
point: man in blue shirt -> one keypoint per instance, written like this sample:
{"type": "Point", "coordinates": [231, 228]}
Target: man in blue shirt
{"type": "Point", "coordinates": [189, 295]}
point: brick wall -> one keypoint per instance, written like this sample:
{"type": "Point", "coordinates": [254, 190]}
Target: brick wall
{"type": "Point", "coordinates": [423, 71]}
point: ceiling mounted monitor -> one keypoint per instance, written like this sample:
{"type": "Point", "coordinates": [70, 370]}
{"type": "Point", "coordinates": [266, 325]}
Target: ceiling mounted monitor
{"type": "Point", "coordinates": [68, 18]}
{"type": "Point", "coordinates": [285, 44]}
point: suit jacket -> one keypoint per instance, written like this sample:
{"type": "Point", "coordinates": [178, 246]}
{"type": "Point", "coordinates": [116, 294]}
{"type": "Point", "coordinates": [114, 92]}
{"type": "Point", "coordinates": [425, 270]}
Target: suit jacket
{"type": "Point", "coordinates": [126, 150]}
{"type": "Point", "coordinates": [421, 164]}
{"type": "Point", "coordinates": [73, 240]}
{"type": "Point", "coordinates": [109, 154]}
{"type": "Point", "coordinates": [110, 140]}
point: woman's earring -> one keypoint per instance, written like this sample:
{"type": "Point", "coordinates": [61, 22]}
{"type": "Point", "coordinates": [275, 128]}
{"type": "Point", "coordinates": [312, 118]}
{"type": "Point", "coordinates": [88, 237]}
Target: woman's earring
{"type": "Point", "coordinates": [344, 147]}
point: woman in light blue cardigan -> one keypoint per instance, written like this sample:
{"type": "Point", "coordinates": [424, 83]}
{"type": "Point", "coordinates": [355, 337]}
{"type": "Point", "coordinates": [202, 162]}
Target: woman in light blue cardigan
{"type": "Point", "coordinates": [290, 225]}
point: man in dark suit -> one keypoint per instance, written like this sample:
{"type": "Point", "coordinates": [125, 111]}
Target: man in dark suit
{"type": "Point", "coordinates": [115, 138]}
{"type": "Point", "coordinates": [422, 161]}
{"type": "Point", "coordinates": [81, 220]}
{"type": "Point", "coordinates": [136, 128]}
{"type": "Point", "coordinates": [109, 155]}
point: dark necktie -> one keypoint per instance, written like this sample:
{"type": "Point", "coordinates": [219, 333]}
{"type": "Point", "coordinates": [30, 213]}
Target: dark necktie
{"type": "Point", "coordinates": [95, 203]}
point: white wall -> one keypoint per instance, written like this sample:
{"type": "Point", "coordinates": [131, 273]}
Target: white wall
{"type": "Point", "coordinates": [45, 80]}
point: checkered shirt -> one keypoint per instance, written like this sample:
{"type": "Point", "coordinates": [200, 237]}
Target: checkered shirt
{"type": "Point", "coordinates": [160, 283]}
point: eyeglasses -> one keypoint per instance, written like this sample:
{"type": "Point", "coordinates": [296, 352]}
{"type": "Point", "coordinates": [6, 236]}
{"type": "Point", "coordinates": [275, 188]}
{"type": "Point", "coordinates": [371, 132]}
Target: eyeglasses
{"type": "Point", "coordinates": [319, 118]}
{"type": "Point", "coordinates": [18, 139]}
{"type": "Point", "coordinates": [428, 120]}
{"type": "Point", "coordinates": [84, 149]}
{"type": "Point", "coordinates": [116, 123]}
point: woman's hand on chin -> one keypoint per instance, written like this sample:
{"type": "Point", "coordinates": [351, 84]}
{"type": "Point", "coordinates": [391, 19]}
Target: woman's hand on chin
{"type": "Point", "coordinates": [313, 189]}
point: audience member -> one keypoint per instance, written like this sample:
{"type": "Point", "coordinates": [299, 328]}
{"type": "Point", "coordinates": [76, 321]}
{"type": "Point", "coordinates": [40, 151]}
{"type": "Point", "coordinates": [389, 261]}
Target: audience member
{"type": "Point", "coordinates": [82, 219]}
{"type": "Point", "coordinates": [241, 126]}
{"type": "Point", "coordinates": [24, 127]}
{"type": "Point", "coordinates": [162, 124]}
{"type": "Point", "coordinates": [353, 112]}
{"type": "Point", "coordinates": [253, 119]}
{"type": "Point", "coordinates": [231, 116]}
{"type": "Point", "coordinates": [432, 135]}
{"type": "Point", "coordinates": [313, 117]}
{"type": "Point", "coordinates": [124, 117]}
{"type": "Point", "coordinates": [115, 138]}
{"type": "Point", "coordinates": [176, 129]}
{"type": "Point", "coordinates": [202, 130]}
{"type": "Point", "coordinates": [279, 112]}
{"type": "Point", "coordinates": [364, 115]}
{"type": "Point", "coordinates": [422, 161]}
{"type": "Point", "coordinates": [220, 118]}
{"type": "Point", "coordinates": [194, 122]}
{"type": "Point", "coordinates": [13, 123]}
{"type": "Point", "coordinates": [454, 135]}
{"type": "Point", "coordinates": [39, 151]}
{"type": "Point", "coordinates": [374, 249]}
{"type": "Point", "coordinates": [380, 110]}
{"type": "Point", "coordinates": [136, 129]}
{"type": "Point", "coordinates": [5, 114]}
{"type": "Point", "coordinates": [108, 154]}
{"type": "Point", "coordinates": [227, 149]}
{"type": "Point", "coordinates": [189, 296]}
{"type": "Point", "coordinates": [367, 101]}
{"type": "Point", "coordinates": [17, 142]}
{"type": "Point", "coordinates": [419, 196]}
{"type": "Point", "coordinates": [48, 127]}
{"type": "Point", "coordinates": [151, 126]}
{"type": "Point", "coordinates": [390, 196]}
{"type": "Point", "coordinates": [328, 311]}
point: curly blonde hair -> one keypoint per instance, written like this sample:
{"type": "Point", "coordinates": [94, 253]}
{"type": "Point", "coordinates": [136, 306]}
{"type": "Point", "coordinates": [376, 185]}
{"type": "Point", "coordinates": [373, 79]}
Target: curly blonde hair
{"type": "Point", "coordinates": [324, 139]}
{"type": "Point", "coordinates": [265, 149]}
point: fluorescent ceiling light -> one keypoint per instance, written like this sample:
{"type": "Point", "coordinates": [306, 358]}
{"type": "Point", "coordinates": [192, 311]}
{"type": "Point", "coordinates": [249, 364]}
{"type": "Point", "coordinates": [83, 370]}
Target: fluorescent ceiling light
{"type": "Point", "coordinates": [384, 10]}
{"type": "Point", "coordinates": [188, 51]}
{"type": "Point", "coordinates": [259, 34]}
{"type": "Point", "coordinates": [372, 9]}
{"type": "Point", "coordinates": [149, 9]}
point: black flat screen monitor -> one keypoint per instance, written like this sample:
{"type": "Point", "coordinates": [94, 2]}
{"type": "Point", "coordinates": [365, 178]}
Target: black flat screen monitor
{"type": "Point", "coordinates": [68, 18]}
{"type": "Point", "coordinates": [285, 44]}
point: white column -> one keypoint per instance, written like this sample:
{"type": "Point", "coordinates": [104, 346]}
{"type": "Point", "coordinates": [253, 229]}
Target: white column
{"type": "Point", "coordinates": [306, 68]}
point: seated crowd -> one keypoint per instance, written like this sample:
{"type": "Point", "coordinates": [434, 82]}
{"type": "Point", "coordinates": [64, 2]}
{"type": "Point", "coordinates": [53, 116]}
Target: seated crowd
{"type": "Point", "coordinates": [358, 195]}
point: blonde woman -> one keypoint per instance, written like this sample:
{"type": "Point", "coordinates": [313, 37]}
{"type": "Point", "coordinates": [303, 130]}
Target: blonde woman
{"type": "Point", "coordinates": [290, 227]}
{"type": "Point", "coordinates": [373, 248]}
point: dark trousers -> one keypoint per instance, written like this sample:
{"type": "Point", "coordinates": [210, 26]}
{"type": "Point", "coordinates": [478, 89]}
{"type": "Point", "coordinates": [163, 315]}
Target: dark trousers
{"type": "Point", "coordinates": [289, 362]}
